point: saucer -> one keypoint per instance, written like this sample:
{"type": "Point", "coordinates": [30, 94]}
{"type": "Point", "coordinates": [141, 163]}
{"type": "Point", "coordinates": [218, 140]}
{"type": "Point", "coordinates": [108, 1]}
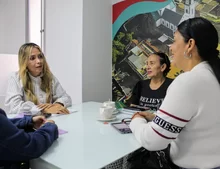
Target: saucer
{"type": "Point", "coordinates": [111, 119]}
{"type": "Point", "coordinates": [115, 112]}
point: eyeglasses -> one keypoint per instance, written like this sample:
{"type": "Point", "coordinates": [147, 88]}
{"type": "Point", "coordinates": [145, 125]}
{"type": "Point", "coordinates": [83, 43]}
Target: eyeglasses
{"type": "Point", "coordinates": [126, 120]}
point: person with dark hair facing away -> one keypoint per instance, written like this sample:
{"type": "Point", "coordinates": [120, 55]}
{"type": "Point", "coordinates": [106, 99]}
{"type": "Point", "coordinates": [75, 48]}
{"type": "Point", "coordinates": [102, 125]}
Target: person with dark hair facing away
{"type": "Point", "coordinates": [23, 139]}
{"type": "Point", "coordinates": [189, 118]}
{"type": "Point", "coordinates": [151, 92]}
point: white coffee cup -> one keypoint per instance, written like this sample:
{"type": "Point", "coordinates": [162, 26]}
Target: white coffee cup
{"type": "Point", "coordinates": [109, 103]}
{"type": "Point", "coordinates": [106, 112]}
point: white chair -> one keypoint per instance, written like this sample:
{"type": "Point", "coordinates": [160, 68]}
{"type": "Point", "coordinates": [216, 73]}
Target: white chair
{"type": "Point", "coordinates": [9, 64]}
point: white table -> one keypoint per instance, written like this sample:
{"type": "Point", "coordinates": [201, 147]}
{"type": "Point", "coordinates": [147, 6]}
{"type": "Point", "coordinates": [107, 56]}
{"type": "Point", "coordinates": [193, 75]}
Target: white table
{"type": "Point", "coordinates": [89, 144]}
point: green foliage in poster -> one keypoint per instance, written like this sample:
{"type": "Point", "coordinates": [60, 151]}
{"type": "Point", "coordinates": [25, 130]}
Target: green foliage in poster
{"type": "Point", "coordinates": [119, 44]}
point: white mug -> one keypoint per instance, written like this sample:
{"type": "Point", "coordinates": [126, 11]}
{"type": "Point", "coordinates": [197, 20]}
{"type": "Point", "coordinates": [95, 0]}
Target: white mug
{"type": "Point", "coordinates": [109, 103]}
{"type": "Point", "coordinates": [106, 112]}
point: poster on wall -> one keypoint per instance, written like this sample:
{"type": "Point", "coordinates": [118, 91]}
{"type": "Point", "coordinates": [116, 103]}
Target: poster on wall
{"type": "Point", "coordinates": [142, 27]}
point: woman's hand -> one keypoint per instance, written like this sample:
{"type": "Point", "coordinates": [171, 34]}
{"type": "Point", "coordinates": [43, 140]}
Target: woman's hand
{"type": "Point", "coordinates": [147, 115]}
{"type": "Point", "coordinates": [50, 121]}
{"type": "Point", "coordinates": [44, 106]}
{"type": "Point", "coordinates": [38, 121]}
{"type": "Point", "coordinates": [56, 108]}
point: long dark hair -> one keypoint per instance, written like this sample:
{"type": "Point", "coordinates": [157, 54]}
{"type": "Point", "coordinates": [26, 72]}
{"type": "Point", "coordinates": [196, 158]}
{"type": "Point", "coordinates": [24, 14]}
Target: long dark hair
{"type": "Point", "coordinates": [206, 40]}
{"type": "Point", "coordinates": [164, 59]}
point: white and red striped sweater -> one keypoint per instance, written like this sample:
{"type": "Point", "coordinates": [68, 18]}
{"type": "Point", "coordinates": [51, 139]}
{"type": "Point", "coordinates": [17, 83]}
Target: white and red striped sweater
{"type": "Point", "coordinates": [189, 119]}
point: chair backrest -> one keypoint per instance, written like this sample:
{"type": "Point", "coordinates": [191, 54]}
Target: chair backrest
{"type": "Point", "coordinates": [9, 64]}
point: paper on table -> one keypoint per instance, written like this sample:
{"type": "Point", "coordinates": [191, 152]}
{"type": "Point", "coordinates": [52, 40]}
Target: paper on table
{"type": "Point", "coordinates": [127, 111]}
{"type": "Point", "coordinates": [61, 131]}
{"type": "Point", "coordinates": [19, 115]}
{"type": "Point", "coordinates": [70, 110]}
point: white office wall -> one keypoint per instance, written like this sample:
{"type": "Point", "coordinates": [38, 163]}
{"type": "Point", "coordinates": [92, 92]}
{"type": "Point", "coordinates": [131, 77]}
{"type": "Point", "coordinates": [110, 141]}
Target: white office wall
{"type": "Point", "coordinates": [12, 25]}
{"type": "Point", "coordinates": [1, 29]}
{"type": "Point", "coordinates": [12, 36]}
{"type": "Point", "coordinates": [9, 64]}
{"type": "Point", "coordinates": [63, 43]}
{"type": "Point", "coordinates": [78, 47]}
{"type": "Point", "coordinates": [96, 51]}
{"type": "Point", "coordinates": [34, 21]}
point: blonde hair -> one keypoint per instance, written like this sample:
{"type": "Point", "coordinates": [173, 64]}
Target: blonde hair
{"type": "Point", "coordinates": [46, 79]}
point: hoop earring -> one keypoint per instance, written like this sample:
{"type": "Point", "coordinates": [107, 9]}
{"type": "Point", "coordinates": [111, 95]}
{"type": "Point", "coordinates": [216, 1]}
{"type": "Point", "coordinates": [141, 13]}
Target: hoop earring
{"type": "Point", "coordinates": [187, 56]}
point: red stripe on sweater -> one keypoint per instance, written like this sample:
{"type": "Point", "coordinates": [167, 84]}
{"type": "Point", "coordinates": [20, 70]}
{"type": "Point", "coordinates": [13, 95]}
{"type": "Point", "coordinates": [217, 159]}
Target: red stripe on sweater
{"type": "Point", "coordinates": [163, 135]}
{"type": "Point", "coordinates": [177, 118]}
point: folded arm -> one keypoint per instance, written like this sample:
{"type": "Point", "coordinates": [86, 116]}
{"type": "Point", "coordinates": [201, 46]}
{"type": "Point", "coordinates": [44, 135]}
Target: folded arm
{"type": "Point", "coordinates": [175, 112]}
{"type": "Point", "coordinates": [17, 145]}
{"type": "Point", "coordinates": [22, 123]}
